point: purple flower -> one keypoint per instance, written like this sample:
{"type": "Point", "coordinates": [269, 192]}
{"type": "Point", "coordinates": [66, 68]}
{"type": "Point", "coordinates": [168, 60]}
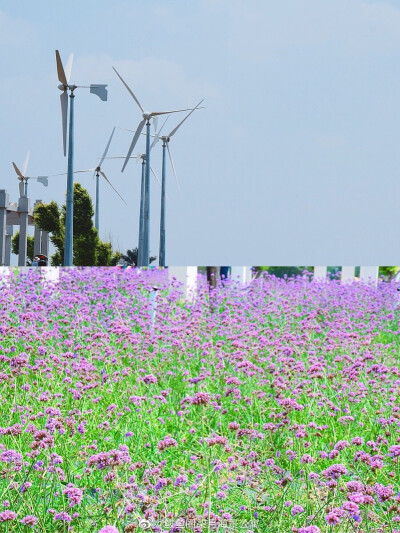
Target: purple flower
{"type": "Point", "coordinates": [7, 515]}
{"type": "Point", "coordinates": [108, 529]}
{"type": "Point", "coordinates": [297, 509]}
{"type": "Point", "coordinates": [201, 398]}
{"type": "Point", "coordinates": [395, 450]}
{"type": "Point", "coordinates": [334, 471]}
{"type": "Point", "coordinates": [73, 494]}
{"type": "Point", "coordinates": [180, 480]}
{"type": "Point", "coordinates": [166, 442]}
{"type": "Point", "coordinates": [149, 378]}
{"type": "Point", "coordinates": [65, 517]}
{"type": "Point", "coordinates": [29, 520]}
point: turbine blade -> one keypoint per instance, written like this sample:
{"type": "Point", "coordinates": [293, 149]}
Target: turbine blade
{"type": "Point", "coordinates": [124, 129]}
{"type": "Point", "coordinates": [155, 175]}
{"type": "Point", "coordinates": [25, 165]}
{"type": "Point", "coordinates": [157, 135]}
{"type": "Point", "coordinates": [155, 124]}
{"type": "Point", "coordinates": [105, 177]}
{"type": "Point", "coordinates": [75, 172]}
{"type": "Point", "coordinates": [68, 67]}
{"type": "Point", "coordinates": [156, 139]}
{"type": "Point", "coordinates": [133, 143]}
{"type": "Point", "coordinates": [182, 121]}
{"type": "Point", "coordinates": [165, 121]}
{"type": "Point", "coordinates": [129, 90]}
{"type": "Point", "coordinates": [120, 157]}
{"type": "Point", "coordinates": [21, 188]}
{"type": "Point", "coordinates": [64, 113]}
{"type": "Point", "coordinates": [60, 70]}
{"type": "Point", "coordinates": [156, 113]}
{"type": "Point", "coordinates": [107, 147]}
{"type": "Point", "coordinates": [173, 166]}
{"type": "Point", "coordinates": [17, 170]}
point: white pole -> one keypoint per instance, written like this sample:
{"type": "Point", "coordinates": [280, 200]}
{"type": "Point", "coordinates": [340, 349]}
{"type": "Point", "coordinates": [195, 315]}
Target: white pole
{"type": "Point", "coordinates": [369, 274]}
{"type": "Point", "coordinates": [241, 274]}
{"type": "Point", "coordinates": [320, 272]}
{"type": "Point", "coordinates": [347, 273]}
{"type": "Point", "coordinates": [188, 277]}
{"type": "Point", "coordinates": [4, 276]}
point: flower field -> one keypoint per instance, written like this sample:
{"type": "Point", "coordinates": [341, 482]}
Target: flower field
{"type": "Point", "coordinates": [268, 409]}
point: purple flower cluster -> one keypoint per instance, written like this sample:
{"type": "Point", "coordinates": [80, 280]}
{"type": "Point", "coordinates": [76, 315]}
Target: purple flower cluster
{"type": "Point", "coordinates": [251, 404]}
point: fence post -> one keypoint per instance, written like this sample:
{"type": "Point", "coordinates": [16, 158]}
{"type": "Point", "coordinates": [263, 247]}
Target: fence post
{"type": "Point", "coordinates": [347, 273]}
{"type": "Point", "coordinates": [320, 272]}
{"type": "Point", "coordinates": [187, 276]}
{"type": "Point", "coordinates": [242, 274]}
{"type": "Point", "coordinates": [369, 274]}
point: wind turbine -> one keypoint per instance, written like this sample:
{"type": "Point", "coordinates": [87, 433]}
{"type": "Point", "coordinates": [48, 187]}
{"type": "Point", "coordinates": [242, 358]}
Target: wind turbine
{"type": "Point", "coordinates": [166, 140]}
{"type": "Point", "coordinates": [101, 92]}
{"type": "Point", "coordinates": [23, 178]}
{"type": "Point", "coordinates": [142, 197]}
{"type": "Point", "coordinates": [99, 172]}
{"type": "Point", "coordinates": [147, 116]}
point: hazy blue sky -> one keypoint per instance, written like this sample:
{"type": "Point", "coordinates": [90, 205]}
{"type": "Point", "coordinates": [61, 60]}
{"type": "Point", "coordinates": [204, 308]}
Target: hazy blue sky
{"type": "Point", "coordinates": [295, 159]}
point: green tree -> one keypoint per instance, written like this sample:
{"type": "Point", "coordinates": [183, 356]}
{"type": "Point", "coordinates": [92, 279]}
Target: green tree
{"type": "Point", "coordinates": [388, 271]}
{"type": "Point", "coordinates": [282, 271]}
{"type": "Point", "coordinates": [130, 258]}
{"type": "Point", "coordinates": [89, 250]}
{"type": "Point", "coordinates": [15, 247]}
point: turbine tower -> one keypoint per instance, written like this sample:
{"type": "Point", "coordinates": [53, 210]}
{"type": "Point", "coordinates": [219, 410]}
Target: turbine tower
{"type": "Point", "coordinates": [166, 140]}
{"type": "Point", "coordinates": [23, 178]}
{"type": "Point", "coordinates": [147, 116]}
{"type": "Point", "coordinates": [65, 86]}
{"type": "Point", "coordinates": [142, 197]}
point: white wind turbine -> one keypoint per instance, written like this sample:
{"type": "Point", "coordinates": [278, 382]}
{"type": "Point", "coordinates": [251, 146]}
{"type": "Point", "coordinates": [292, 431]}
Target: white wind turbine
{"type": "Point", "coordinates": [97, 171]}
{"type": "Point", "coordinates": [23, 178]}
{"type": "Point", "coordinates": [147, 116]}
{"type": "Point", "coordinates": [142, 193]}
{"type": "Point", "coordinates": [65, 86]}
{"type": "Point", "coordinates": [166, 140]}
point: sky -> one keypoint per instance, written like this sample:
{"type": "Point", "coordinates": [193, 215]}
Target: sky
{"type": "Point", "coordinates": [294, 159]}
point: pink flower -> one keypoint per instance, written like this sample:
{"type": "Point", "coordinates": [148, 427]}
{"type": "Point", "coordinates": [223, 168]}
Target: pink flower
{"type": "Point", "coordinates": [395, 450]}
{"type": "Point", "coordinates": [150, 378]}
{"type": "Point", "coordinates": [166, 442]}
{"type": "Point", "coordinates": [108, 529]}
{"type": "Point", "coordinates": [201, 398]}
{"type": "Point", "coordinates": [334, 471]}
{"type": "Point", "coordinates": [7, 515]}
{"type": "Point", "coordinates": [29, 520]}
